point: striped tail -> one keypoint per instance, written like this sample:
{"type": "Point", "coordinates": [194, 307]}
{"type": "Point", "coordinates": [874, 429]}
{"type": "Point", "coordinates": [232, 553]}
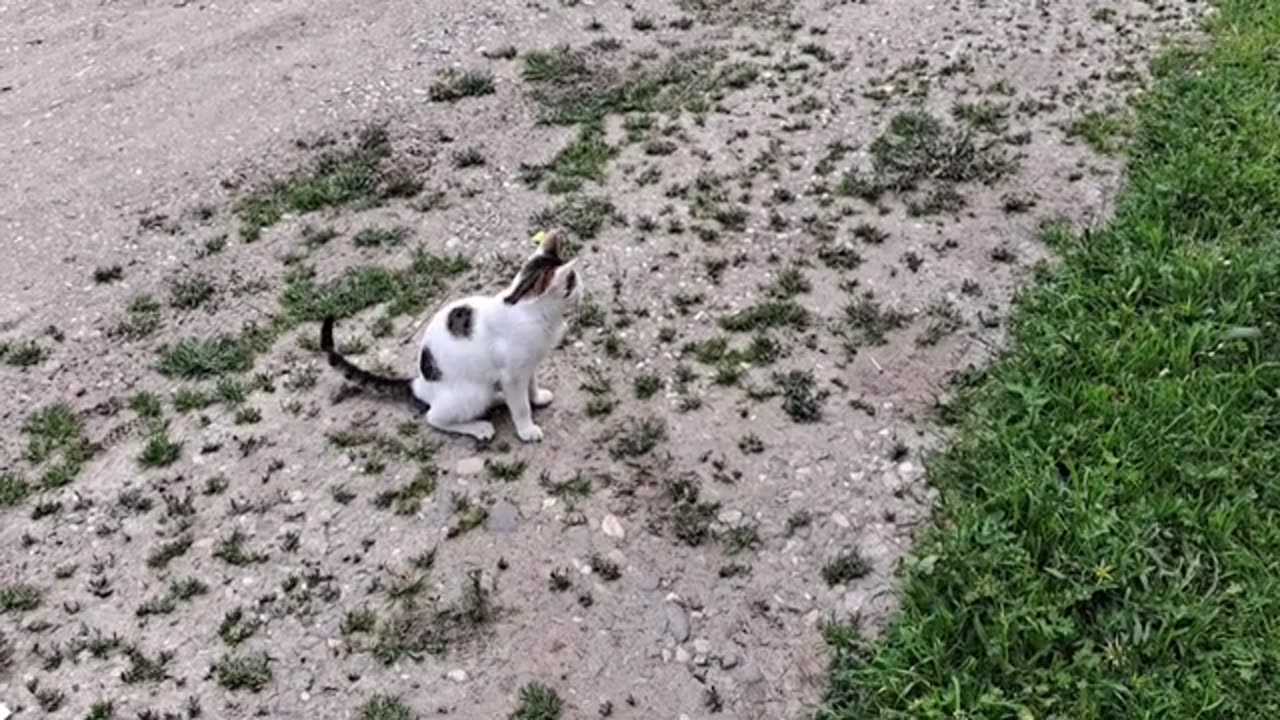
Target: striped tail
{"type": "Point", "coordinates": [393, 387]}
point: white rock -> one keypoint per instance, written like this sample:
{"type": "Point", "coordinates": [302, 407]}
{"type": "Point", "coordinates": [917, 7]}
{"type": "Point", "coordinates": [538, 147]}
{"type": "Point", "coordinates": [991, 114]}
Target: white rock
{"type": "Point", "coordinates": [682, 655]}
{"type": "Point", "coordinates": [470, 466]}
{"type": "Point", "coordinates": [840, 520]}
{"type": "Point", "coordinates": [730, 517]}
{"type": "Point", "coordinates": [458, 676]}
{"type": "Point", "coordinates": [612, 527]}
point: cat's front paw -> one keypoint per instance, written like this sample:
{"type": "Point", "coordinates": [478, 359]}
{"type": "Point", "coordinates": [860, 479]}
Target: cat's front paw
{"type": "Point", "coordinates": [542, 397]}
{"type": "Point", "coordinates": [530, 434]}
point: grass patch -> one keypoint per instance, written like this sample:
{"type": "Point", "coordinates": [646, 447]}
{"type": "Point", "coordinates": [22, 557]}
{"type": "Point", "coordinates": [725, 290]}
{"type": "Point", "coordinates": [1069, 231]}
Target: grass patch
{"type": "Point", "coordinates": [453, 85]}
{"type": "Point", "coordinates": [56, 440]}
{"type": "Point", "coordinates": [337, 179]}
{"type": "Point", "coordinates": [917, 147]}
{"type": "Point", "coordinates": [22, 354]}
{"type": "Point", "coordinates": [141, 318]}
{"type": "Point", "coordinates": [405, 291]}
{"type": "Point", "coordinates": [198, 358]}
{"type": "Point", "coordinates": [767, 314]}
{"type": "Point", "coordinates": [243, 672]}
{"type": "Point", "coordinates": [385, 707]}
{"type": "Point", "coordinates": [1103, 130]}
{"type": "Point", "coordinates": [582, 215]}
{"type": "Point", "coordinates": [581, 160]}
{"type": "Point", "coordinates": [1109, 517]}
{"type": "Point", "coordinates": [538, 702]}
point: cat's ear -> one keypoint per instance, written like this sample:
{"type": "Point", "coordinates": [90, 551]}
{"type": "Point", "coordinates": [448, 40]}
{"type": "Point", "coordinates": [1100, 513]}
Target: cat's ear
{"type": "Point", "coordinates": [535, 279]}
{"type": "Point", "coordinates": [551, 243]}
{"type": "Point", "coordinates": [566, 280]}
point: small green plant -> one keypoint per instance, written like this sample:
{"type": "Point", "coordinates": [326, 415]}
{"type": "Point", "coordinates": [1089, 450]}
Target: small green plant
{"type": "Point", "coordinates": [190, 293]}
{"type": "Point", "coordinates": [453, 85]}
{"type": "Point", "coordinates": [767, 314]}
{"type": "Point", "coordinates": [243, 672]}
{"type": "Point", "coordinates": [800, 398]}
{"type": "Point", "coordinates": [639, 438]}
{"type": "Point", "coordinates": [159, 451]}
{"type": "Point", "coordinates": [19, 598]}
{"type": "Point", "coordinates": [380, 237]}
{"type": "Point", "coordinates": [505, 471]}
{"type": "Point", "coordinates": [646, 386]}
{"type": "Point", "coordinates": [385, 707]}
{"type": "Point", "coordinates": [538, 702]}
{"type": "Point", "coordinates": [238, 626]}
{"type": "Point", "coordinates": [849, 565]}
{"type": "Point", "coordinates": [142, 317]}
{"type": "Point", "coordinates": [108, 274]}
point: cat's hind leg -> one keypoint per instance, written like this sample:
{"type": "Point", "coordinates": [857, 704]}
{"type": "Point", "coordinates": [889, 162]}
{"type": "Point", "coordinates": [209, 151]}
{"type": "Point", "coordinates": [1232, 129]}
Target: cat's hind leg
{"type": "Point", "coordinates": [457, 409]}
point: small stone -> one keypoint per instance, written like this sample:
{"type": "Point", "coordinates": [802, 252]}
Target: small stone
{"type": "Point", "coordinates": [750, 675]}
{"type": "Point", "coordinates": [702, 646]}
{"type": "Point", "coordinates": [677, 622]}
{"type": "Point", "coordinates": [649, 583]}
{"type": "Point", "coordinates": [907, 470]}
{"type": "Point", "coordinates": [470, 466]}
{"type": "Point", "coordinates": [730, 517]}
{"type": "Point", "coordinates": [503, 518]}
{"type": "Point", "coordinates": [840, 520]}
{"type": "Point", "coordinates": [458, 676]}
{"type": "Point", "coordinates": [612, 527]}
{"type": "Point", "coordinates": [682, 655]}
{"type": "Point", "coordinates": [728, 661]}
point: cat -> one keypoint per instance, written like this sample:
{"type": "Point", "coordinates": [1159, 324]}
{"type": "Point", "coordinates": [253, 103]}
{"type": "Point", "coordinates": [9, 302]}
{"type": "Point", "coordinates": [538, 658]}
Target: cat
{"type": "Point", "coordinates": [482, 350]}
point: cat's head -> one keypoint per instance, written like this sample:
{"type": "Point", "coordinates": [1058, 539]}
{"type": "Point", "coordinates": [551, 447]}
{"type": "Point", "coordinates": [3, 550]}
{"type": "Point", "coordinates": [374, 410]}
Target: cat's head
{"type": "Point", "coordinates": [545, 277]}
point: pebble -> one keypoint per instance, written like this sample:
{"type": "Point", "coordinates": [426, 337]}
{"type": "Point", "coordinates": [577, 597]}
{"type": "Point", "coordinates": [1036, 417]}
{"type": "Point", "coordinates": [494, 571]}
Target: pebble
{"type": "Point", "coordinates": [676, 621]}
{"type": "Point", "coordinates": [730, 517]}
{"type": "Point", "coordinates": [612, 527]}
{"type": "Point", "coordinates": [649, 583]}
{"type": "Point", "coordinates": [702, 646]}
{"type": "Point", "coordinates": [470, 466]}
{"type": "Point", "coordinates": [728, 661]}
{"type": "Point", "coordinates": [458, 676]}
{"type": "Point", "coordinates": [503, 518]}
{"type": "Point", "coordinates": [682, 655]}
{"type": "Point", "coordinates": [840, 520]}
{"type": "Point", "coordinates": [750, 675]}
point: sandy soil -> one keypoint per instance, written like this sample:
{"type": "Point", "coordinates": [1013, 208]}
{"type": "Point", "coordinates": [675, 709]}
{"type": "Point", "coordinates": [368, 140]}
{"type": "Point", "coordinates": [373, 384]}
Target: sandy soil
{"type": "Point", "coordinates": [130, 132]}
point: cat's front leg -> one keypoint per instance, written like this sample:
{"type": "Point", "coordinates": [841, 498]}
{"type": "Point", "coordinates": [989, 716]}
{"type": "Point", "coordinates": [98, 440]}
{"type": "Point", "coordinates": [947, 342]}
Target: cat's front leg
{"type": "Point", "coordinates": [539, 397]}
{"type": "Point", "coordinates": [516, 390]}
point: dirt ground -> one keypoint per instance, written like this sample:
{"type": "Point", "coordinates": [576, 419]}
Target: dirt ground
{"type": "Point", "coordinates": [846, 192]}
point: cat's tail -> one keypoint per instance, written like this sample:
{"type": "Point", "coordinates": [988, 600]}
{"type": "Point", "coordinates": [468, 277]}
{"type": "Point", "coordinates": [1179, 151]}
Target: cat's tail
{"type": "Point", "coordinates": [394, 387]}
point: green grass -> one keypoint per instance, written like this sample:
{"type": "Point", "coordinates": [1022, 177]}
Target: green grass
{"type": "Point", "coordinates": [1103, 130]}
{"type": "Point", "coordinates": [453, 85]}
{"type": "Point", "coordinates": [23, 354]}
{"type": "Point", "coordinates": [337, 179]}
{"type": "Point", "coordinates": [405, 291]}
{"type": "Point", "coordinates": [538, 702]}
{"type": "Point", "coordinates": [243, 672]}
{"type": "Point", "coordinates": [19, 598]}
{"type": "Point", "coordinates": [197, 358]}
{"type": "Point", "coordinates": [385, 707]}
{"type": "Point", "coordinates": [1109, 519]}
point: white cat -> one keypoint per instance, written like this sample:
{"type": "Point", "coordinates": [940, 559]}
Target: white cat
{"type": "Point", "coordinates": [484, 349]}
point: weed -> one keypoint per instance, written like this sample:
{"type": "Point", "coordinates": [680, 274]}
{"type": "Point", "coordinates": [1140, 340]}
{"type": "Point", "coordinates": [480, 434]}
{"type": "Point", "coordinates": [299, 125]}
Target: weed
{"type": "Point", "coordinates": [362, 620]}
{"type": "Point", "coordinates": [800, 398]}
{"type": "Point", "coordinates": [13, 489]}
{"type": "Point", "coordinates": [644, 387]}
{"type": "Point", "coordinates": [583, 216]}
{"type": "Point", "coordinates": [159, 451]}
{"type": "Point", "coordinates": [145, 669]}
{"type": "Point", "coordinates": [405, 291]}
{"type": "Point", "coordinates": [538, 702]}
{"type": "Point", "coordinates": [1104, 130]}
{"type": "Point", "coordinates": [336, 180]}
{"type": "Point", "coordinates": [944, 319]}
{"type": "Point", "coordinates": [916, 147]}
{"type": "Point", "coordinates": [243, 672]}
{"type": "Point", "coordinates": [504, 471]}
{"type": "Point", "coordinates": [453, 85]}
{"type": "Point", "coordinates": [468, 157]}
{"type": "Point", "coordinates": [984, 116]}
{"type": "Point", "coordinates": [379, 237]}
{"type": "Point", "coordinates": [385, 707]}
{"type": "Point", "coordinates": [232, 551]}
{"type": "Point", "coordinates": [865, 323]}
{"type": "Point", "coordinates": [167, 552]}
{"type": "Point", "coordinates": [190, 293]}
{"type": "Point", "coordinates": [767, 314]}
{"type": "Point", "coordinates": [142, 318]}
{"type": "Point", "coordinates": [19, 598]}
{"type": "Point", "coordinates": [194, 358]}
{"type": "Point", "coordinates": [847, 566]}
{"type": "Point", "coordinates": [740, 538]}
{"type": "Point", "coordinates": [238, 626]}
{"type": "Point", "coordinates": [639, 438]}
{"type": "Point", "coordinates": [797, 520]}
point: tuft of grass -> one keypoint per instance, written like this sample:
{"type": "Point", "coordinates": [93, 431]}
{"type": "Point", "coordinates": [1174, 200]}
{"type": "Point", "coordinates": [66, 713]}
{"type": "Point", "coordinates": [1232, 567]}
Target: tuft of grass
{"type": "Point", "coordinates": [191, 292]}
{"type": "Point", "coordinates": [24, 354]}
{"type": "Point", "coordinates": [385, 707]}
{"type": "Point", "coordinates": [13, 489]}
{"type": "Point", "coordinates": [538, 702]}
{"type": "Point", "coordinates": [19, 598]}
{"type": "Point", "coordinates": [468, 157]}
{"type": "Point", "coordinates": [337, 179]}
{"type": "Point", "coordinates": [866, 322]}
{"type": "Point", "coordinates": [1108, 500]}
{"type": "Point", "coordinates": [801, 400]}
{"type": "Point", "coordinates": [237, 626]}
{"type": "Point", "coordinates": [581, 160]}
{"type": "Point", "coordinates": [646, 386]}
{"type": "Point", "coordinates": [505, 471]}
{"type": "Point", "coordinates": [232, 550]}
{"type": "Point", "coordinates": [849, 565]}
{"type": "Point", "coordinates": [917, 147]}
{"type": "Point", "coordinates": [1103, 130]}
{"type": "Point", "coordinates": [452, 85]}
{"type": "Point", "coordinates": [167, 552]}
{"type": "Point", "coordinates": [371, 237]}
{"type": "Point", "coordinates": [639, 438]}
{"type": "Point", "coordinates": [767, 314]}
{"type": "Point", "coordinates": [142, 317]}
{"type": "Point", "coordinates": [55, 432]}
{"type": "Point", "coordinates": [159, 451]}
{"type": "Point", "coordinates": [105, 274]}
{"type": "Point", "coordinates": [243, 672]}
{"type": "Point", "coordinates": [582, 215]}
{"type": "Point", "coordinates": [404, 291]}
{"type": "Point", "coordinates": [198, 358]}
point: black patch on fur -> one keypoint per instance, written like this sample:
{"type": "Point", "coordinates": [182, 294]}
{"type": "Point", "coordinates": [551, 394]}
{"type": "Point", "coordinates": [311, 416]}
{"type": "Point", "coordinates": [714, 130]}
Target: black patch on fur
{"type": "Point", "coordinates": [530, 274]}
{"type": "Point", "coordinates": [570, 283]}
{"type": "Point", "coordinates": [427, 366]}
{"type": "Point", "coordinates": [460, 320]}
